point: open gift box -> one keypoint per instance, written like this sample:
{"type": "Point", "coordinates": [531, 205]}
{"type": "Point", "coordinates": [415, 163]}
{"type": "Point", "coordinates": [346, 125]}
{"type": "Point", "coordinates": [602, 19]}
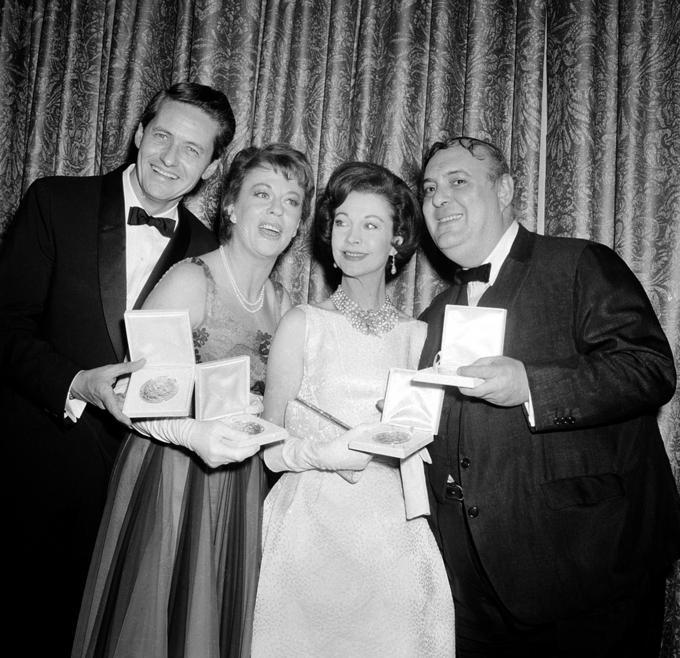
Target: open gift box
{"type": "Point", "coordinates": [222, 393]}
{"type": "Point", "coordinates": [409, 420]}
{"type": "Point", "coordinates": [469, 333]}
{"type": "Point", "coordinates": [164, 386]}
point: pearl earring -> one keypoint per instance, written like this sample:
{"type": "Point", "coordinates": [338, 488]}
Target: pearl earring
{"type": "Point", "coordinates": [393, 269]}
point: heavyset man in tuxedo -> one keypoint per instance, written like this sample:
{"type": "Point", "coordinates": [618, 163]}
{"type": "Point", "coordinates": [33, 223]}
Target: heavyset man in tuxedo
{"type": "Point", "coordinates": [552, 495]}
{"type": "Point", "coordinates": [80, 252]}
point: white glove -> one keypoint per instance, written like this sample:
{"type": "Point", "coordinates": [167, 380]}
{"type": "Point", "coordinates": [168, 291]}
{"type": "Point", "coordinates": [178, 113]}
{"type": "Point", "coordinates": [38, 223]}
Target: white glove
{"type": "Point", "coordinates": [212, 440]}
{"type": "Point", "coordinates": [295, 454]}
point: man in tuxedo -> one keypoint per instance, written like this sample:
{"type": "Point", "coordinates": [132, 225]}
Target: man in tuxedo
{"type": "Point", "coordinates": [81, 252]}
{"type": "Point", "coordinates": [552, 496]}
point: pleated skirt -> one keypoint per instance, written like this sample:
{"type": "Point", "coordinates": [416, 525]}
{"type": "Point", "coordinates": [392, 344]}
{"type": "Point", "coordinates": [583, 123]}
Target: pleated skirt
{"type": "Point", "coordinates": [174, 570]}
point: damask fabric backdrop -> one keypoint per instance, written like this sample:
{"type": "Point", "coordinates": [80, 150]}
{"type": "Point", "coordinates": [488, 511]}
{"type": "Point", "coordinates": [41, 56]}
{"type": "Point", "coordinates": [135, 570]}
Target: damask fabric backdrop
{"type": "Point", "coordinates": [352, 79]}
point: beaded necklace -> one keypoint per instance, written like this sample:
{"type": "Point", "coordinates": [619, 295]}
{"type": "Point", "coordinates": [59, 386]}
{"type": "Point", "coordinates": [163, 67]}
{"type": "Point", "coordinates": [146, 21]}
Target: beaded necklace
{"type": "Point", "coordinates": [251, 307]}
{"type": "Point", "coordinates": [375, 322]}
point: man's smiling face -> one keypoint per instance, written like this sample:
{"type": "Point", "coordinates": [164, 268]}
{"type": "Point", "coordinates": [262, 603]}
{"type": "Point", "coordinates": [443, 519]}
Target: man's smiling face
{"type": "Point", "coordinates": [175, 150]}
{"type": "Point", "coordinates": [463, 207]}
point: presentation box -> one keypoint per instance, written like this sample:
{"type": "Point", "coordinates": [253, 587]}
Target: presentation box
{"type": "Point", "coordinates": [222, 388]}
{"type": "Point", "coordinates": [222, 392]}
{"type": "Point", "coordinates": [254, 430]}
{"type": "Point", "coordinates": [410, 417]}
{"type": "Point", "coordinates": [469, 333]}
{"type": "Point", "coordinates": [164, 386]}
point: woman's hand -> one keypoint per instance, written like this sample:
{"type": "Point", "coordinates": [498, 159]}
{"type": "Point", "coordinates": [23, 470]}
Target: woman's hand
{"type": "Point", "coordinates": [217, 444]}
{"type": "Point", "coordinates": [337, 456]}
{"type": "Point", "coordinates": [214, 441]}
{"type": "Point", "coordinates": [295, 454]}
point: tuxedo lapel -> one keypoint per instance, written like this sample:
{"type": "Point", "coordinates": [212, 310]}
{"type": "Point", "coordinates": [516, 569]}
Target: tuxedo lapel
{"type": "Point", "coordinates": [111, 257]}
{"type": "Point", "coordinates": [512, 273]}
{"type": "Point", "coordinates": [175, 250]}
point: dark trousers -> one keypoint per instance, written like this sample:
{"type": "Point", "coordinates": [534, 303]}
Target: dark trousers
{"type": "Point", "coordinates": [626, 628]}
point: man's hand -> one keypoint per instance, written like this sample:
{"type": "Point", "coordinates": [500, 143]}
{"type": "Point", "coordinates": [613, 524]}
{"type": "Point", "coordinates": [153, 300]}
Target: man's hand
{"type": "Point", "coordinates": [505, 381]}
{"type": "Point", "coordinates": [96, 387]}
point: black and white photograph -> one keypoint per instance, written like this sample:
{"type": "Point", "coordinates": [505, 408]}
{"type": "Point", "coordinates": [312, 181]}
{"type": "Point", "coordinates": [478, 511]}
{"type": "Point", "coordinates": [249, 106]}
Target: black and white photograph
{"type": "Point", "coordinates": [340, 328]}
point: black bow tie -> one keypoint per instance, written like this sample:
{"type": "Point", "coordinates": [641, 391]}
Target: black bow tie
{"type": "Point", "coordinates": [479, 273]}
{"type": "Point", "coordinates": [138, 216]}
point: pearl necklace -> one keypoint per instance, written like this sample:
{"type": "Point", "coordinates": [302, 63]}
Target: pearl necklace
{"type": "Point", "coordinates": [251, 307]}
{"type": "Point", "coordinates": [375, 322]}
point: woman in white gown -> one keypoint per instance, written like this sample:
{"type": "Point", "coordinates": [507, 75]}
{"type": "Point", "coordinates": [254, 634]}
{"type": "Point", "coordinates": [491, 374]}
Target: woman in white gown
{"type": "Point", "coordinates": [343, 572]}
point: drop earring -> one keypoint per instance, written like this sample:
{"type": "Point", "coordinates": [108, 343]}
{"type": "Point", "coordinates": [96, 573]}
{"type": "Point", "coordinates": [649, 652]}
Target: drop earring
{"type": "Point", "coordinates": [393, 268]}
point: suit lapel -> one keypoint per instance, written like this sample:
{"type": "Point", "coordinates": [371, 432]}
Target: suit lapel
{"type": "Point", "coordinates": [512, 273]}
{"type": "Point", "coordinates": [175, 250]}
{"type": "Point", "coordinates": [111, 257]}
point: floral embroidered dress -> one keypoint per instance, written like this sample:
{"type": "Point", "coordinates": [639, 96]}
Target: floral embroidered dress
{"type": "Point", "coordinates": [175, 568]}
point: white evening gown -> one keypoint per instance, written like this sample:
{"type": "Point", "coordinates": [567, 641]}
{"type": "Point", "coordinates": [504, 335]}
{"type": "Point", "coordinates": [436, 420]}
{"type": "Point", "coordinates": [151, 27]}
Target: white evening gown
{"type": "Point", "coordinates": [343, 572]}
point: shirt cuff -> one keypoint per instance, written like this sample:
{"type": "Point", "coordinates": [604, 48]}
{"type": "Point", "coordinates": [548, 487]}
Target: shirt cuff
{"type": "Point", "coordinates": [529, 406]}
{"type": "Point", "coordinates": [73, 409]}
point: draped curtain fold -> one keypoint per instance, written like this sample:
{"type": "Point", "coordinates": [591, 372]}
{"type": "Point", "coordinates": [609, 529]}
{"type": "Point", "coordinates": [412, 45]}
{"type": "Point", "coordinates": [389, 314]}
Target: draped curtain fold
{"type": "Point", "coordinates": [360, 79]}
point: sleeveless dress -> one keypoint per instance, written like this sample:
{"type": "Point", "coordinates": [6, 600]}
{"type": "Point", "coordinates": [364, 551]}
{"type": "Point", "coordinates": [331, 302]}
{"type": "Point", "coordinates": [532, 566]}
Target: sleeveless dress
{"type": "Point", "coordinates": [343, 572]}
{"type": "Point", "coordinates": [174, 571]}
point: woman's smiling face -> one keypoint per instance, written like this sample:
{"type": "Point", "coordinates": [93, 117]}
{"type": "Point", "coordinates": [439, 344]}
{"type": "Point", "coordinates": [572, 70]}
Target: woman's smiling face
{"type": "Point", "coordinates": [362, 234]}
{"type": "Point", "coordinates": [267, 211]}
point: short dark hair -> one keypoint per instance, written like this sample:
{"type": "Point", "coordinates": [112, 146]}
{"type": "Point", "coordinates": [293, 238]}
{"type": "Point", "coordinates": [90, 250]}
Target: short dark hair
{"type": "Point", "coordinates": [497, 165]}
{"type": "Point", "coordinates": [211, 101]}
{"type": "Point", "coordinates": [282, 158]}
{"type": "Point", "coordinates": [368, 177]}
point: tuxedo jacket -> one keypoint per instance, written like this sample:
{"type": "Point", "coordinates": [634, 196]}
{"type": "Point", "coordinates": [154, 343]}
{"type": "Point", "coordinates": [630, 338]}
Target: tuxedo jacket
{"type": "Point", "coordinates": [574, 511]}
{"type": "Point", "coordinates": [62, 299]}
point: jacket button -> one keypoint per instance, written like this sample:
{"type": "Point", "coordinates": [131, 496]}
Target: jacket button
{"type": "Point", "coordinates": [473, 512]}
{"type": "Point", "coordinates": [465, 462]}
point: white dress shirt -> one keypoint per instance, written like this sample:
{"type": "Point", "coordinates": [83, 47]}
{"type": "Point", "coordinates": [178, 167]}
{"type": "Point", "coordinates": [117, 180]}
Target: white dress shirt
{"type": "Point", "coordinates": [144, 244]}
{"type": "Point", "coordinates": [475, 289]}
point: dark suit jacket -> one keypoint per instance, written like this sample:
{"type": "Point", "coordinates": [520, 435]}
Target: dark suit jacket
{"type": "Point", "coordinates": [572, 512]}
{"type": "Point", "coordinates": [62, 298]}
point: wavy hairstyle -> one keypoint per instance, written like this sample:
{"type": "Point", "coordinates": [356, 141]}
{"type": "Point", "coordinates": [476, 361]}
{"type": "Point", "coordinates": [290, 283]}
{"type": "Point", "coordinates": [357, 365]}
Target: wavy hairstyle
{"type": "Point", "coordinates": [368, 177]}
{"type": "Point", "coordinates": [282, 158]}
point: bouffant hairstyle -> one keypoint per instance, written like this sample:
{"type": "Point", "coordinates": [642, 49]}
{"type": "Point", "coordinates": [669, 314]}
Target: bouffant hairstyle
{"type": "Point", "coordinates": [283, 159]}
{"type": "Point", "coordinates": [368, 177]}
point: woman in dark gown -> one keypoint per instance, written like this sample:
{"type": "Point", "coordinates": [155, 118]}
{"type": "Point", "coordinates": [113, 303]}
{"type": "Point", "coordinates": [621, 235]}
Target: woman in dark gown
{"type": "Point", "coordinates": [174, 572]}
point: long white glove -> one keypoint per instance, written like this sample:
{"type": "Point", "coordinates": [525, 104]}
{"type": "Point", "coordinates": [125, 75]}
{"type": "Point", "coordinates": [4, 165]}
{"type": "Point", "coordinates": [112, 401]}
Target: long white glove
{"type": "Point", "coordinates": [297, 455]}
{"type": "Point", "coordinates": [212, 440]}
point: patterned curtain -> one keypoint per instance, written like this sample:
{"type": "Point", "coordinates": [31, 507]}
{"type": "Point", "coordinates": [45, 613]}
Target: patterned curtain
{"type": "Point", "coordinates": [613, 160]}
{"type": "Point", "coordinates": [381, 80]}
